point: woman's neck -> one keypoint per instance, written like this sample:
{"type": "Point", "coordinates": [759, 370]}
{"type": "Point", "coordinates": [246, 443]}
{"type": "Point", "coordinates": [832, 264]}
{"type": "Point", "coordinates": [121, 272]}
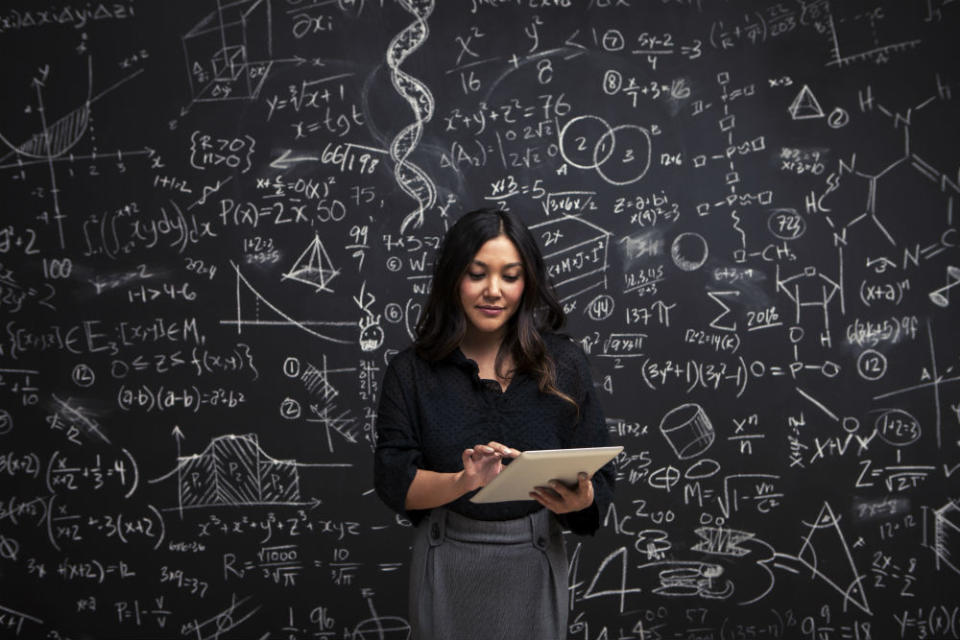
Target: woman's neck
{"type": "Point", "coordinates": [481, 346]}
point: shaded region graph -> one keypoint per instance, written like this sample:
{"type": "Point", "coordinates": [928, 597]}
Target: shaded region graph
{"type": "Point", "coordinates": [57, 140]}
{"type": "Point", "coordinates": [57, 137]}
{"type": "Point", "coordinates": [234, 470]}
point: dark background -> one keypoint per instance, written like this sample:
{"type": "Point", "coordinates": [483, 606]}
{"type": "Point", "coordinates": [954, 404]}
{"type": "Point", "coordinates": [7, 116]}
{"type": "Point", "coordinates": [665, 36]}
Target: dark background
{"type": "Point", "coordinates": [218, 225]}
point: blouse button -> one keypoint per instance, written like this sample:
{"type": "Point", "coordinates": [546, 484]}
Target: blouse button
{"type": "Point", "coordinates": [435, 531]}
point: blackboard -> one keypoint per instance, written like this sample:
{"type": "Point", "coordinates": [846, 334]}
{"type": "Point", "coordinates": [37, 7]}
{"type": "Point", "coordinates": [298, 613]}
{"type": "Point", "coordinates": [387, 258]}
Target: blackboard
{"type": "Point", "coordinates": [219, 222]}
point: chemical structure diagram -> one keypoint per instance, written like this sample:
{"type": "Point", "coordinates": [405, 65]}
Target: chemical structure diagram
{"type": "Point", "coordinates": [879, 191]}
{"type": "Point", "coordinates": [907, 157]}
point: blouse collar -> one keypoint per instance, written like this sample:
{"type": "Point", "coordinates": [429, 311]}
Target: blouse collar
{"type": "Point", "coordinates": [457, 358]}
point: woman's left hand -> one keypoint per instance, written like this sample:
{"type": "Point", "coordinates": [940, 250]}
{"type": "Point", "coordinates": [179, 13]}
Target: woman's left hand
{"type": "Point", "coordinates": [560, 498]}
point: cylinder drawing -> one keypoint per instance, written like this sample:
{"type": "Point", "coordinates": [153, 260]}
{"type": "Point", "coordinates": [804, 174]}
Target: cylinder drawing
{"type": "Point", "coordinates": [688, 430]}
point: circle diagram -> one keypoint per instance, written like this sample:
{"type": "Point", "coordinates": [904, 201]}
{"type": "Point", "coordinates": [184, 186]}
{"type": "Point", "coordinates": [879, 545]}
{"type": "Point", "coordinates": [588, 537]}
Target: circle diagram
{"type": "Point", "coordinates": [620, 155]}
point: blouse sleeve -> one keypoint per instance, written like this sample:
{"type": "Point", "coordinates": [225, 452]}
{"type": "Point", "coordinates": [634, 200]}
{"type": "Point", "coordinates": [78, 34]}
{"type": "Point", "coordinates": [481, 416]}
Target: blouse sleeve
{"type": "Point", "coordinates": [590, 431]}
{"type": "Point", "coordinates": [397, 456]}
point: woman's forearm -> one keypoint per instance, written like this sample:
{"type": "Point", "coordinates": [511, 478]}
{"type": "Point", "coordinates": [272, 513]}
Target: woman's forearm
{"type": "Point", "coordinates": [481, 464]}
{"type": "Point", "coordinates": [431, 489]}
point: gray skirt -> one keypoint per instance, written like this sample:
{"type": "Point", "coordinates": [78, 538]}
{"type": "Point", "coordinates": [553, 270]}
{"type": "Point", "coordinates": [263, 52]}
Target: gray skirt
{"type": "Point", "coordinates": [488, 579]}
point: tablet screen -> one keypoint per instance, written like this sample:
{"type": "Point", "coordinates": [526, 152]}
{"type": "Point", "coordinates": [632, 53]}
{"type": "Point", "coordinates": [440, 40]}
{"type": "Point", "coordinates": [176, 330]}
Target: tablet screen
{"type": "Point", "coordinates": [537, 468]}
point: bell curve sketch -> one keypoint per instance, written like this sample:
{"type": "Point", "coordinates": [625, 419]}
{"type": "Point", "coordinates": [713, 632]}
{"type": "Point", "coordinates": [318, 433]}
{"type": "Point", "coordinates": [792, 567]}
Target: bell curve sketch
{"type": "Point", "coordinates": [234, 470]}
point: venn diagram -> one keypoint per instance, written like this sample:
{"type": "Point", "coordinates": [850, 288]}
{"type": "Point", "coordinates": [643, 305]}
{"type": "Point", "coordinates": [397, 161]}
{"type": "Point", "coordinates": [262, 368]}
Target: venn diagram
{"type": "Point", "coordinates": [620, 155]}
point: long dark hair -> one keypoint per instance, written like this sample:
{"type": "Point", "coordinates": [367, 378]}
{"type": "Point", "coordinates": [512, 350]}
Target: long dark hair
{"type": "Point", "coordinates": [443, 324]}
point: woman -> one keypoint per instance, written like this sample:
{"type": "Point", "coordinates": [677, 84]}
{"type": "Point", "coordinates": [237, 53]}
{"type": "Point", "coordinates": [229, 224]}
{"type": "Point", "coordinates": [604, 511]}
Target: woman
{"type": "Point", "coordinates": [487, 378]}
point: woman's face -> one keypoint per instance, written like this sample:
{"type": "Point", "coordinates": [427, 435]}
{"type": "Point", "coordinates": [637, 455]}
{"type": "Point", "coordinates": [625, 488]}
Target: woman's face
{"type": "Point", "coordinates": [491, 289]}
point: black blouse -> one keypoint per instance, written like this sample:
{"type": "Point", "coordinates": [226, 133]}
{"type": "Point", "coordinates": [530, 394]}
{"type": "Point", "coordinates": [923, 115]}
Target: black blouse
{"type": "Point", "coordinates": [430, 412]}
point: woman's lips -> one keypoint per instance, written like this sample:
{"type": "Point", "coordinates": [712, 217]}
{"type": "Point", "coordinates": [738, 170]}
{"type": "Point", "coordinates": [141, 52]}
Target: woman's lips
{"type": "Point", "coordinates": [490, 311]}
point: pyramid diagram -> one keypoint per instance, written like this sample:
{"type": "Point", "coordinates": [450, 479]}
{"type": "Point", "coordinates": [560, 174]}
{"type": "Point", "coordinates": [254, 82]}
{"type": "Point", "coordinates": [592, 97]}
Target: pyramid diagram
{"type": "Point", "coordinates": [314, 267]}
{"type": "Point", "coordinates": [805, 106]}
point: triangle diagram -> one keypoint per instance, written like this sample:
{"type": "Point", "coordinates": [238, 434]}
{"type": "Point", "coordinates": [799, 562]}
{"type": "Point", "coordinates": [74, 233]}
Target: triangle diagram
{"type": "Point", "coordinates": [826, 553]}
{"type": "Point", "coordinates": [805, 106]}
{"type": "Point", "coordinates": [313, 267]}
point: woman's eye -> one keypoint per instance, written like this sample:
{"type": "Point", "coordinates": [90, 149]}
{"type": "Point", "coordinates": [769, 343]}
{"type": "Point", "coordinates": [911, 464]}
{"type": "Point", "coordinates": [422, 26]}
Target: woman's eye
{"type": "Point", "coordinates": [511, 278]}
{"type": "Point", "coordinates": [475, 276]}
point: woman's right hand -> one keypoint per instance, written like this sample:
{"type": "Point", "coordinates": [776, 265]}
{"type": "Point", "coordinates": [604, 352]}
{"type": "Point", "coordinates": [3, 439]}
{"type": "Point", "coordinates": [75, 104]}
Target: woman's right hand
{"type": "Point", "coordinates": [431, 489]}
{"type": "Point", "coordinates": [482, 463]}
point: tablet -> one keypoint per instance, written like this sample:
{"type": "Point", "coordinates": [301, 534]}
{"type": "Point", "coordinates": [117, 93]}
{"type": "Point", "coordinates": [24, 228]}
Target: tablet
{"type": "Point", "coordinates": [537, 468]}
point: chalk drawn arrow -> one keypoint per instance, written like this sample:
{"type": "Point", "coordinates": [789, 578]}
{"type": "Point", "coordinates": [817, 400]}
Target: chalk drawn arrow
{"type": "Point", "coordinates": [285, 161]}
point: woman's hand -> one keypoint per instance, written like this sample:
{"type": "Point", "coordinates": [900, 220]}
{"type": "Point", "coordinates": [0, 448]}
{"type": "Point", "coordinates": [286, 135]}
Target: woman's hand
{"type": "Point", "coordinates": [560, 498]}
{"type": "Point", "coordinates": [431, 489]}
{"type": "Point", "coordinates": [482, 463]}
